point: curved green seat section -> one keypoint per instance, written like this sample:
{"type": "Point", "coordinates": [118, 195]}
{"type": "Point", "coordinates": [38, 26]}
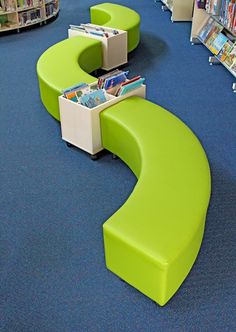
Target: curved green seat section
{"type": "Point", "coordinates": [153, 240]}
{"type": "Point", "coordinates": [118, 17]}
{"type": "Point", "coordinates": [65, 64]}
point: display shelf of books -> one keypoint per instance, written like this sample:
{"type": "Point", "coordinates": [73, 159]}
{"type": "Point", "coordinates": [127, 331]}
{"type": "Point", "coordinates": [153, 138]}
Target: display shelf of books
{"type": "Point", "coordinates": [80, 107]}
{"type": "Point", "coordinates": [114, 42]}
{"type": "Point", "coordinates": [181, 9]}
{"type": "Point", "coordinates": [214, 25]}
{"type": "Point", "coordinates": [16, 14]}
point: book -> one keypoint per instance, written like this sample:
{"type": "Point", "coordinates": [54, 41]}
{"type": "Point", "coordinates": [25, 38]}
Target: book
{"type": "Point", "coordinates": [206, 30]}
{"type": "Point", "coordinates": [112, 81]}
{"type": "Point", "coordinates": [93, 98]}
{"type": "Point", "coordinates": [218, 43]}
{"type": "Point", "coordinates": [101, 79]}
{"type": "Point", "coordinates": [231, 57]}
{"type": "Point", "coordinates": [131, 86]}
{"type": "Point", "coordinates": [128, 81]}
{"type": "Point", "coordinates": [225, 50]}
{"type": "Point", "coordinates": [213, 33]}
{"type": "Point", "coordinates": [72, 92]}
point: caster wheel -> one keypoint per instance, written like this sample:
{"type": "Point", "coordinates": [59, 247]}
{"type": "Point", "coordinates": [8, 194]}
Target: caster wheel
{"type": "Point", "coordinates": [69, 145]}
{"type": "Point", "coordinates": [94, 157]}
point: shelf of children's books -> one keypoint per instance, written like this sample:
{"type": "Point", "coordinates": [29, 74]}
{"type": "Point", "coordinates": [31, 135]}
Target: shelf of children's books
{"type": "Point", "coordinates": [215, 60]}
{"type": "Point", "coordinates": [217, 19]}
{"type": "Point", "coordinates": [30, 23]}
{"type": "Point", "coordinates": [28, 14]}
{"type": "Point", "coordinates": [80, 125]}
{"type": "Point", "coordinates": [50, 16]}
{"type": "Point", "coordinates": [24, 9]}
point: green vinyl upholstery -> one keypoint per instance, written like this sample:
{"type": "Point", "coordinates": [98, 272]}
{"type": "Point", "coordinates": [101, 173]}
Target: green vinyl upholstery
{"type": "Point", "coordinates": [153, 240]}
{"type": "Point", "coordinates": [118, 17]}
{"type": "Point", "coordinates": [65, 64]}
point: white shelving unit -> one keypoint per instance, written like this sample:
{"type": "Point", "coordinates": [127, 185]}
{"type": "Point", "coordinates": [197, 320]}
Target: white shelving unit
{"type": "Point", "coordinates": [200, 18]}
{"type": "Point", "coordinates": [181, 10]}
{"type": "Point", "coordinates": [114, 46]}
{"type": "Point", "coordinates": [17, 14]}
{"type": "Point", "coordinates": [80, 126]}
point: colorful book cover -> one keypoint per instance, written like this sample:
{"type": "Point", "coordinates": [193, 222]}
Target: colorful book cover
{"type": "Point", "coordinates": [133, 85]}
{"type": "Point", "coordinates": [206, 29]}
{"type": "Point", "coordinates": [93, 99]}
{"type": "Point", "coordinates": [231, 57]}
{"type": "Point", "coordinates": [225, 51]}
{"type": "Point", "coordinates": [214, 32]}
{"type": "Point", "coordinates": [115, 80]}
{"type": "Point", "coordinates": [218, 43]}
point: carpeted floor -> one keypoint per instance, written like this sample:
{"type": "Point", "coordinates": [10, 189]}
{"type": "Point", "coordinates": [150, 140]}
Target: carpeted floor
{"type": "Point", "coordinates": [54, 200]}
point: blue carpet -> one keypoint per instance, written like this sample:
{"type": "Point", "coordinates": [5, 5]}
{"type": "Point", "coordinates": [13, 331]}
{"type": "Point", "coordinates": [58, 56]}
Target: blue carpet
{"type": "Point", "coordinates": [54, 200]}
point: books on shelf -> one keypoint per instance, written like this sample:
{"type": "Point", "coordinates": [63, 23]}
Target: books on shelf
{"type": "Point", "coordinates": [8, 5]}
{"type": "Point", "coordinates": [210, 31]}
{"type": "Point", "coordinates": [30, 16]}
{"type": "Point", "coordinates": [231, 57]}
{"type": "Point", "coordinates": [218, 43]}
{"type": "Point", "coordinates": [225, 11]}
{"type": "Point", "coordinates": [24, 4]}
{"type": "Point", "coordinates": [225, 50]}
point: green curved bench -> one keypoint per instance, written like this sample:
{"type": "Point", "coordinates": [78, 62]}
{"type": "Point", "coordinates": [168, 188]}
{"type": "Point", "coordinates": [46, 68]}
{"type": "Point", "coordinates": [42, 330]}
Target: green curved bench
{"type": "Point", "coordinates": [65, 64]}
{"type": "Point", "coordinates": [152, 241]}
{"type": "Point", "coordinates": [118, 17]}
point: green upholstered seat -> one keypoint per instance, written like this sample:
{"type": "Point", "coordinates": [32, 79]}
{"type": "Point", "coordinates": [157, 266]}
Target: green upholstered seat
{"type": "Point", "coordinates": [118, 17]}
{"type": "Point", "coordinates": [65, 64]}
{"type": "Point", "coordinates": [153, 240]}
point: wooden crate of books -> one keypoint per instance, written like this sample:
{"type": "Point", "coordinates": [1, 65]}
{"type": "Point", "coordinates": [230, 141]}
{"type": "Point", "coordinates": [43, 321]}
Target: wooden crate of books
{"type": "Point", "coordinates": [80, 124]}
{"type": "Point", "coordinates": [114, 42]}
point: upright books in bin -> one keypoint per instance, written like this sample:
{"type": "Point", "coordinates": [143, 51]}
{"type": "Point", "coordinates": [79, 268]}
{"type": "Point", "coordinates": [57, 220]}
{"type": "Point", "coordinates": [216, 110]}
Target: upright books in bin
{"type": "Point", "coordinates": [130, 85]}
{"type": "Point", "coordinates": [73, 93]}
{"type": "Point", "coordinates": [93, 98]}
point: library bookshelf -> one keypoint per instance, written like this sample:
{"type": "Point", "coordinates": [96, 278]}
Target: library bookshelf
{"type": "Point", "coordinates": [181, 10]}
{"type": "Point", "coordinates": [200, 20]}
{"type": "Point", "coordinates": [80, 126]}
{"type": "Point", "coordinates": [17, 14]}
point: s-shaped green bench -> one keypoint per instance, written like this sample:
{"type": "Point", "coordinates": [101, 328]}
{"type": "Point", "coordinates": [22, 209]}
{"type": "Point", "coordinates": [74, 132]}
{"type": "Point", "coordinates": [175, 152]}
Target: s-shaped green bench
{"type": "Point", "coordinates": [152, 241]}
